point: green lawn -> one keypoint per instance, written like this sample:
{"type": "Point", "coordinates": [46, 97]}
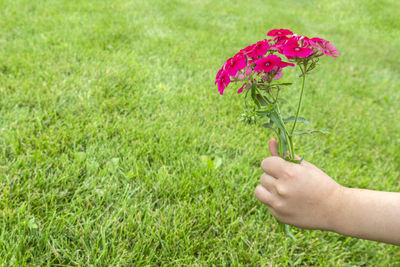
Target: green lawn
{"type": "Point", "coordinates": [108, 110]}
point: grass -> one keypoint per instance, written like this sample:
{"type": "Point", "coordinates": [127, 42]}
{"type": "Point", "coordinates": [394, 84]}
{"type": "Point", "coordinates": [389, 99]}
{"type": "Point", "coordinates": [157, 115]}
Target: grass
{"type": "Point", "coordinates": [116, 149]}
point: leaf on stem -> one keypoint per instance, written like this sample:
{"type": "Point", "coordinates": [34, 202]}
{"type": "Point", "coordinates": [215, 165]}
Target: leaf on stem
{"type": "Point", "coordinates": [270, 126]}
{"type": "Point", "coordinates": [309, 132]}
{"type": "Point", "coordinates": [253, 95]}
{"type": "Point", "coordinates": [298, 161]}
{"type": "Point", "coordinates": [282, 144]}
{"type": "Point", "coordinates": [283, 84]}
{"type": "Point", "coordinates": [299, 119]}
{"type": "Point", "coordinates": [275, 119]}
{"type": "Point", "coordinates": [263, 100]}
{"type": "Point", "coordinates": [263, 113]}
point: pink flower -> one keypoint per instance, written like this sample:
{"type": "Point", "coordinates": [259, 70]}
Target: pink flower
{"type": "Point", "coordinates": [305, 41]}
{"type": "Point", "coordinates": [259, 49]}
{"type": "Point", "coordinates": [283, 64]}
{"type": "Point", "coordinates": [293, 50]}
{"type": "Point", "coordinates": [241, 89]}
{"type": "Point", "coordinates": [247, 49]}
{"type": "Point", "coordinates": [283, 41]}
{"type": "Point", "coordinates": [317, 43]}
{"type": "Point", "coordinates": [234, 64]}
{"type": "Point", "coordinates": [280, 32]}
{"type": "Point", "coordinates": [278, 74]}
{"type": "Point", "coordinates": [218, 75]}
{"type": "Point", "coordinates": [318, 40]}
{"type": "Point", "coordinates": [253, 60]}
{"type": "Point", "coordinates": [279, 68]}
{"type": "Point", "coordinates": [324, 46]}
{"type": "Point", "coordinates": [223, 81]}
{"type": "Point", "coordinates": [330, 50]}
{"type": "Point", "coordinates": [247, 86]}
{"type": "Point", "coordinates": [239, 76]}
{"type": "Point", "coordinates": [248, 70]}
{"type": "Point", "coordinates": [267, 64]}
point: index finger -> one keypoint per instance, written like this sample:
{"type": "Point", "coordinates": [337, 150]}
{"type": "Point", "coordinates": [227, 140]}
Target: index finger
{"type": "Point", "coordinates": [275, 166]}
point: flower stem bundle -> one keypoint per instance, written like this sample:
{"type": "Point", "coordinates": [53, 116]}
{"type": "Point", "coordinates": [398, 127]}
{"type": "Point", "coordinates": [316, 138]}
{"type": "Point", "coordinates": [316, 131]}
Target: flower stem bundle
{"type": "Point", "coordinates": [258, 69]}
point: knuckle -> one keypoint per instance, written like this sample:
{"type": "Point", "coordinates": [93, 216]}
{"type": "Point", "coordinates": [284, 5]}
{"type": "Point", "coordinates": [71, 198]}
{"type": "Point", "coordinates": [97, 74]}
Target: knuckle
{"type": "Point", "coordinates": [272, 202]}
{"type": "Point", "coordinates": [291, 172]}
{"type": "Point", "coordinates": [282, 190]}
{"type": "Point", "coordinates": [278, 205]}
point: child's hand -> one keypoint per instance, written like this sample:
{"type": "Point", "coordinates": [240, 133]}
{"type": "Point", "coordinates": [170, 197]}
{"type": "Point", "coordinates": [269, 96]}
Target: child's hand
{"type": "Point", "coordinates": [298, 194]}
{"type": "Point", "coordinates": [304, 196]}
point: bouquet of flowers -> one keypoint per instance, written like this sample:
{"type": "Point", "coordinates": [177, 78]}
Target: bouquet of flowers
{"type": "Point", "coordinates": [258, 67]}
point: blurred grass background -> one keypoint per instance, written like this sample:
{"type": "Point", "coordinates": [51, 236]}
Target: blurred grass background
{"type": "Point", "coordinates": [116, 148]}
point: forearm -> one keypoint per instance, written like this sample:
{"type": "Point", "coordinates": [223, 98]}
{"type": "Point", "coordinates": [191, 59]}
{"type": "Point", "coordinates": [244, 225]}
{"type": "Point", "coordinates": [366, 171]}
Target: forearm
{"type": "Point", "coordinates": [368, 214]}
{"type": "Point", "coordinates": [304, 196]}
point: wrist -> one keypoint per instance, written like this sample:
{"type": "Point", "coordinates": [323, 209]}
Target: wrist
{"type": "Point", "coordinates": [338, 202]}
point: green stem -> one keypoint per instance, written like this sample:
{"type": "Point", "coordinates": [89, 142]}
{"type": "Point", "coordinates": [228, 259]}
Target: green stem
{"type": "Point", "coordinates": [290, 145]}
{"type": "Point", "coordinates": [284, 227]}
{"type": "Point", "coordinates": [276, 98]}
{"type": "Point", "coordinates": [301, 97]}
{"type": "Point", "coordinates": [286, 133]}
{"type": "Point", "coordinates": [280, 118]}
{"type": "Point", "coordinates": [280, 144]}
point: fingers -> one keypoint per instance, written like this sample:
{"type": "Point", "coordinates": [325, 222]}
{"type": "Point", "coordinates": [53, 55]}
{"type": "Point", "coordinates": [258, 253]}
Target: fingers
{"type": "Point", "coordinates": [275, 166]}
{"type": "Point", "coordinates": [273, 147]}
{"type": "Point", "coordinates": [263, 195]}
{"type": "Point", "coordinates": [267, 198]}
{"type": "Point", "coordinates": [268, 182]}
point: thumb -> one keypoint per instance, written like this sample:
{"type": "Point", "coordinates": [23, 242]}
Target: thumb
{"type": "Point", "coordinates": [273, 147]}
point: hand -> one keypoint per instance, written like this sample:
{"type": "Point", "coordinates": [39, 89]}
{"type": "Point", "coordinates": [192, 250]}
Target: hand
{"type": "Point", "coordinates": [298, 194]}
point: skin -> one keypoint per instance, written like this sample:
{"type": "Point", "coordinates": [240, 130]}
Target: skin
{"type": "Point", "coordinates": [304, 196]}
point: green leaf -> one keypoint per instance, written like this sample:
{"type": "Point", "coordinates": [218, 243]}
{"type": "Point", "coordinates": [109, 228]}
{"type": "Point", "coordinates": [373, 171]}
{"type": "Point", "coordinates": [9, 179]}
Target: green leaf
{"type": "Point", "coordinates": [298, 161]}
{"type": "Point", "coordinates": [275, 119]}
{"type": "Point", "coordinates": [283, 84]}
{"type": "Point", "coordinates": [309, 132]}
{"type": "Point", "coordinates": [217, 162]}
{"type": "Point", "coordinates": [263, 100]}
{"type": "Point", "coordinates": [253, 95]}
{"type": "Point", "coordinates": [312, 65]}
{"type": "Point", "coordinates": [263, 113]}
{"type": "Point", "coordinates": [32, 224]}
{"type": "Point", "coordinates": [282, 146]}
{"type": "Point", "coordinates": [282, 100]}
{"type": "Point", "coordinates": [270, 126]}
{"type": "Point", "coordinates": [207, 162]}
{"type": "Point", "coordinates": [299, 119]}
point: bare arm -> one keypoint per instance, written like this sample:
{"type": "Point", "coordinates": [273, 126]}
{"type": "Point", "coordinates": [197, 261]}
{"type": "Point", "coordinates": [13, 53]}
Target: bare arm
{"type": "Point", "coordinates": [369, 214]}
{"type": "Point", "coordinates": [304, 196]}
